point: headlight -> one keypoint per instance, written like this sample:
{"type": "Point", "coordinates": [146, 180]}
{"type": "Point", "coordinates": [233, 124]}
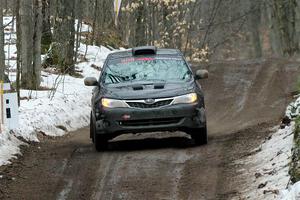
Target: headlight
{"type": "Point", "coordinates": [188, 98]}
{"type": "Point", "coordinates": [113, 103]}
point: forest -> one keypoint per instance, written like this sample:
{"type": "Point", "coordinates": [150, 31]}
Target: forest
{"type": "Point", "coordinates": [233, 135]}
{"type": "Point", "coordinates": [204, 30]}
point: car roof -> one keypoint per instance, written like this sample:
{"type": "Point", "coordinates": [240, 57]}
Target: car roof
{"type": "Point", "coordinates": [159, 51]}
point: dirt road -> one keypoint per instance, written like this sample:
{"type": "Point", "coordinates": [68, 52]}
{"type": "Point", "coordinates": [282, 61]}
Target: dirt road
{"type": "Point", "coordinates": [243, 99]}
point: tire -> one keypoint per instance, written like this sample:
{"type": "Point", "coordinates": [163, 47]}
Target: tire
{"type": "Point", "coordinates": [100, 142]}
{"type": "Point", "coordinates": [199, 135]}
{"type": "Point", "coordinates": [92, 128]}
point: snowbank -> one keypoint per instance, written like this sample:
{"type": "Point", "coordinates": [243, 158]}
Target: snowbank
{"type": "Point", "coordinates": [9, 147]}
{"type": "Point", "coordinates": [293, 193]}
{"type": "Point", "coordinates": [293, 109]}
{"type": "Point", "coordinates": [48, 112]}
{"type": "Point", "coordinates": [54, 113]}
{"type": "Point", "coordinates": [69, 109]}
{"type": "Point", "coordinates": [267, 170]}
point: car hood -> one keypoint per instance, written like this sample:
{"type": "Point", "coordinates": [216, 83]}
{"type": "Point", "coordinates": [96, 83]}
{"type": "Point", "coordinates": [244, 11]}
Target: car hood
{"type": "Point", "coordinates": [148, 91]}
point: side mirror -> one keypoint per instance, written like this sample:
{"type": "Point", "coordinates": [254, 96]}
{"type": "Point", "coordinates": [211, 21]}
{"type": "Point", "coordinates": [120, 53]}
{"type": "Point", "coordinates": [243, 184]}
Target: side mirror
{"type": "Point", "coordinates": [90, 81]}
{"type": "Point", "coordinates": [201, 74]}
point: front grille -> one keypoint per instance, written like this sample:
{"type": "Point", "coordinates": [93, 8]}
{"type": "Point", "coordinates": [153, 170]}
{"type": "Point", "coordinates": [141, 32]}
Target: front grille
{"type": "Point", "coordinates": [154, 105]}
{"type": "Point", "coordinates": [151, 122]}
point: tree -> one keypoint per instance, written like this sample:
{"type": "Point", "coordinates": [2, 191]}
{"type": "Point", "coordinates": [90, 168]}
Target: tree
{"type": "Point", "coordinates": [79, 8]}
{"type": "Point", "coordinates": [46, 27]}
{"type": "Point", "coordinates": [64, 35]}
{"type": "Point", "coordinates": [2, 55]}
{"type": "Point", "coordinates": [30, 25]}
{"type": "Point", "coordinates": [284, 15]}
{"type": "Point", "coordinates": [37, 37]}
{"type": "Point", "coordinates": [254, 24]}
{"type": "Point", "coordinates": [18, 30]}
{"type": "Point", "coordinates": [95, 17]}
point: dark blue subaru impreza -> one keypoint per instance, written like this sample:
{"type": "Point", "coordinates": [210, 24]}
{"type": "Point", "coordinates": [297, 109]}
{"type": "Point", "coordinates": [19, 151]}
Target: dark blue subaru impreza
{"type": "Point", "coordinates": [146, 89]}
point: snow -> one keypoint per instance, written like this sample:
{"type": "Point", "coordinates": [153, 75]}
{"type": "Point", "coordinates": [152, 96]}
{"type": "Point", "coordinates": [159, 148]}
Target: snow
{"type": "Point", "coordinates": [69, 108]}
{"type": "Point", "coordinates": [50, 112]}
{"type": "Point", "coordinates": [293, 109]}
{"type": "Point", "coordinates": [293, 193]}
{"type": "Point", "coordinates": [267, 170]}
{"type": "Point", "coordinates": [9, 147]}
{"type": "Point", "coordinates": [84, 27]}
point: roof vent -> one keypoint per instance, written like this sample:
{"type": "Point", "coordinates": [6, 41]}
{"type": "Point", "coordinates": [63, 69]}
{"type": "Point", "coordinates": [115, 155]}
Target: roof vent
{"type": "Point", "coordinates": [146, 50]}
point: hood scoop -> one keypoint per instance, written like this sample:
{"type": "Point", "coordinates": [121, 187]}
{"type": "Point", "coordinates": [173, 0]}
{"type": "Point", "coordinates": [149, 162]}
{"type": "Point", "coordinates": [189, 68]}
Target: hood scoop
{"type": "Point", "coordinates": [137, 87]}
{"type": "Point", "coordinates": [159, 85]}
{"type": "Point", "coordinates": [155, 86]}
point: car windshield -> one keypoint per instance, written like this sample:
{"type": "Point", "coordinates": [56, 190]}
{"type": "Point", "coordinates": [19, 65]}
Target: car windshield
{"type": "Point", "coordinates": [146, 69]}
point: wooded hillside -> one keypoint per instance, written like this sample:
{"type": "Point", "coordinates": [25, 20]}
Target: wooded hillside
{"type": "Point", "coordinates": [204, 30]}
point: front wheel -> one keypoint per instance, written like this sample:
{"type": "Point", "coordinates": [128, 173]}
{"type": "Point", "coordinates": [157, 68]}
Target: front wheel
{"type": "Point", "coordinates": [199, 135]}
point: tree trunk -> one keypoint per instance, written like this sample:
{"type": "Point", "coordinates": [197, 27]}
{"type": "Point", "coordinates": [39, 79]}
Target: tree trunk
{"type": "Point", "coordinates": [64, 35]}
{"type": "Point", "coordinates": [46, 26]}
{"type": "Point", "coordinates": [140, 27]}
{"type": "Point", "coordinates": [94, 22]}
{"type": "Point", "coordinates": [78, 29]}
{"type": "Point", "coordinates": [255, 19]}
{"type": "Point", "coordinates": [18, 84]}
{"type": "Point", "coordinates": [2, 55]}
{"type": "Point", "coordinates": [26, 44]}
{"type": "Point", "coordinates": [285, 18]}
{"type": "Point", "coordinates": [37, 36]}
{"type": "Point", "coordinates": [69, 60]}
{"type": "Point", "coordinates": [30, 15]}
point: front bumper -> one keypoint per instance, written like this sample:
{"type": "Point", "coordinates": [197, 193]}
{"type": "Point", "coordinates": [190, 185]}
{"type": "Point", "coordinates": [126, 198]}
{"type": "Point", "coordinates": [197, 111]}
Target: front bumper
{"type": "Point", "coordinates": [132, 120]}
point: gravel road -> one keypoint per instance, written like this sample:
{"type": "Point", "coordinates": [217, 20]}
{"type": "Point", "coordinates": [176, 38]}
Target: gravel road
{"type": "Point", "coordinates": [243, 99]}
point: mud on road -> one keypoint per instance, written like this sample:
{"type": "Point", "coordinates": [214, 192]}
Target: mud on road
{"type": "Point", "coordinates": [243, 100]}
